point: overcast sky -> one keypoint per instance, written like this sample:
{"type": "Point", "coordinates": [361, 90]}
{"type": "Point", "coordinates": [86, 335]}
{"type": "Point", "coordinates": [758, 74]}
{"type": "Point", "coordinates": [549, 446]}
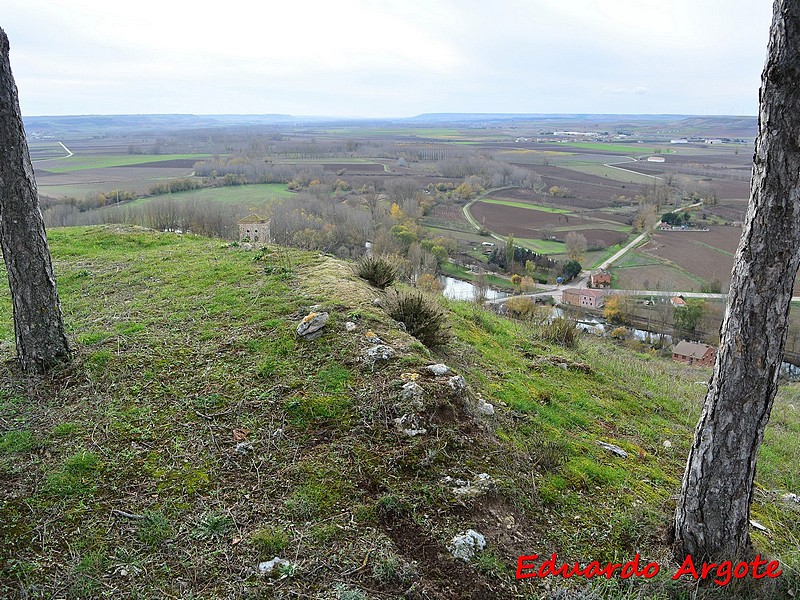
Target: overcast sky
{"type": "Point", "coordinates": [387, 58]}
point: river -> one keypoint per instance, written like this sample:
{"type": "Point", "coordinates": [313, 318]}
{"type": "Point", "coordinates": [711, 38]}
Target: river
{"type": "Point", "coordinates": [457, 289]}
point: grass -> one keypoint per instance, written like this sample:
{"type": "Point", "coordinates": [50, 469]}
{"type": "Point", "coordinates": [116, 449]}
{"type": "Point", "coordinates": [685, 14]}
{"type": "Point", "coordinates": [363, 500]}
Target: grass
{"type": "Point", "coordinates": [634, 149]}
{"type": "Point", "coordinates": [548, 209]}
{"type": "Point", "coordinates": [186, 356]}
{"type": "Point", "coordinates": [543, 246]}
{"type": "Point", "coordinates": [235, 194]}
{"type": "Point", "coordinates": [100, 161]}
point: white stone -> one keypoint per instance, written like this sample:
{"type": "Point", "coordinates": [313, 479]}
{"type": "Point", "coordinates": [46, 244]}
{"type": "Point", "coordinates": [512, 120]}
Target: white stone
{"type": "Point", "coordinates": [412, 391]}
{"type": "Point", "coordinates": [613, 449]}
{"type": "Point", "coordinates": [466, 545]}
{"type": "Point", "coordinates": [484, 408]}
{"type": "Point", "coordinates": [479, 485]}
{"type": "Point", "coordinates": [410, 425]}
{"type": "Point", "coordinates": [267, 567]}
{"type": "Point", "coordinates": [243, 448]}
{"type": "Point", "coordinates": [438, 369]}
{"type": "Point", "coordinates": [379, 352]}
{"type": "Point", "coordinates": [457, 383]}
{"type": "Point", "coordinates": [350, 326]}
{"type": "Point", "coordinates": [667, 444]}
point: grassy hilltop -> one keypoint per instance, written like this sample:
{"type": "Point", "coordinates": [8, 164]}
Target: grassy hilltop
{"type": "Point", "coordinates": [196, 436]}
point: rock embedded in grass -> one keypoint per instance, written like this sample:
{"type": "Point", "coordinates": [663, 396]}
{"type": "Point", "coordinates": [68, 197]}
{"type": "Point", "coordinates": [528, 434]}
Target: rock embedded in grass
{"type": "Point", "coordinates": [379, 352]}
{"type": "Point", "coordinates": [438, 369]}
{"type": "Point", "coordinates": [479, 485]}
{"type": "Point", "coordinates": [466, 545]}
{"type": "Point", "coordinates": [412, 391]}
{"type": "Point", "coordinates": [310, 328]}
{"type": "Point", "coordinates": [410, 425]}
{"type": "Point", "coordinates": [457, 383]}
{"type": "Point", "coordinates": [269, 567]}
{"type": "Point", "coordinates": [484, 408]}
{"type": "Point", "coordinates": [613, 449]}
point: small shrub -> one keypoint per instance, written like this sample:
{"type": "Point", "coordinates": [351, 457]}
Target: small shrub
{"type": "Point", "coordinates": [213, 526]}
{"type": "Point", "coordinates": [551, 455]}
{"type": "Point", "coordinates": [153, 528]}
{"type": "Point", "coordinates": [379, 271]}
{"type": "Point", "coordinates": [521, 307]}
{"type": "Point", "coordinates": [422, 316]}
{"type": "Point", "coordinates": [389, 568]}
{"type": "Point", "coordinates": [429, 283]}
{"type": "Point", "coordinates": [344, 592]}
{"type": "Point", "coordinates": [560, 331]}
{"type": "Point", "coordinates": [390, 508]}
{"type": "Point", "coordinates": [619, 333]}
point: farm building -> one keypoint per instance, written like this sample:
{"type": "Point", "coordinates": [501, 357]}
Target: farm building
{"type": "Point", "coordinates": [657, 159]}
{"type": "Point", "coordinates": [254, 228]}
{"type": "Point", "coordinates": [694, 353]}
{"type": "Point", "coordinates": [583, 298]}
{"type": "Point", "coordinates": [600, 279]}
{"type": "Point", "coordinates": [677, 302]}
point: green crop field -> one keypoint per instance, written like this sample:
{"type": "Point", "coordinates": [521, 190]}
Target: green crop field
{"type": "Point", "coordinates": [543, 246]}
{"type": "Point", "coordinates": [83, 163]}
{"type": "Point", "coordinates": [627, 149]}
{"type": "Point", "coordinates": [228, 194]}
{"type": "Point", "coordinates": [548, 209]}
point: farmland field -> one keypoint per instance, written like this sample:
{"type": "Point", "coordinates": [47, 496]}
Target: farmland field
{"type": "Point", "coordinates": [557, 211]}
{"type": "Point", "coordinates": [83, 163]}
{"type": "Point", "coordinates": [638, 271]}
{"type": "Point", "coordinates": [256, 194]}
{"type": "Point", "coordinates": [716, 247]}
{"type": "Point", "coordinates": [527, 222]}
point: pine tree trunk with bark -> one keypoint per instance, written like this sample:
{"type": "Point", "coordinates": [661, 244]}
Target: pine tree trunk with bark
{"type": "Point", "coordinates": [713, 513]}
{"type": "Point", "coordinates": [38, 326]}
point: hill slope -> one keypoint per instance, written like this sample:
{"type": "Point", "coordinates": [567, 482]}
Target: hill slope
{"type": "Point", "coordinates": [196, 437]}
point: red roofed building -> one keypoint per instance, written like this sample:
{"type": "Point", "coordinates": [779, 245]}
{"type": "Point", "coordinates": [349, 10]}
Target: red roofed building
{"type": "Point", "coordinates": [694, 353]}
{"type": "Point", "coordinates": [600, 279]}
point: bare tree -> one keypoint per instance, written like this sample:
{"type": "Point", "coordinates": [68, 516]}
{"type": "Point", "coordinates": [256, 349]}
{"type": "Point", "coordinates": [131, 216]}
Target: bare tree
{"type": "Point", "coordinates": [713, 513]}
{"type": "Point", "coordinates": [38, 326]}
{"type": "Point", "coordinates": [480, 288]}
{"type": "Point", "coordinates": [576, 245]}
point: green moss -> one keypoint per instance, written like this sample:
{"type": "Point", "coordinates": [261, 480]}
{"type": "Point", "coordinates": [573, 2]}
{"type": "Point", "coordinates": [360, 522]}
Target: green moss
{"type": "Point", "coordinates": [270, 542]}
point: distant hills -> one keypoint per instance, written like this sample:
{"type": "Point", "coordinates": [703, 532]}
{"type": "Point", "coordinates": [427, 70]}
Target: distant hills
{"type": "Point", "coordinates": [734, 126]}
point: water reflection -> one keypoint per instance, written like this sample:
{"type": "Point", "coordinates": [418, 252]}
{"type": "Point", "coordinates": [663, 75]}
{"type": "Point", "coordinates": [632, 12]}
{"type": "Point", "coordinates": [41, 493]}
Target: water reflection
{"type": "Point", "coordinates": [457, 289]}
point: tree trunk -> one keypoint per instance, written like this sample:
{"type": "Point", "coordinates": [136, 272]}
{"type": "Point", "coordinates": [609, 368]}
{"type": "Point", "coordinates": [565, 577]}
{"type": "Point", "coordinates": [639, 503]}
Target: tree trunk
{"type": "Point", "coordinates": [713, 513]}
{"type": "Point", "coordinates": [38, 327]}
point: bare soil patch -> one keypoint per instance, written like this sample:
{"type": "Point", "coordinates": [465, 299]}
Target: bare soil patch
{"type": "Point", "coordinates": [353, 167]}
{"type": "Point", "coordinates": [708, 255]}
{"type": "Point", "coordinates": [175, 163]}
{"type": "Point", "coordinates": [522, 222]}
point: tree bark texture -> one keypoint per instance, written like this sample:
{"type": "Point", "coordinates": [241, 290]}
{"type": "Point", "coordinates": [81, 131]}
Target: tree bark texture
{"type": "Point", "coordinates": [713, 513]}
{"type": "Point", "coordinates": [38, 326]}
